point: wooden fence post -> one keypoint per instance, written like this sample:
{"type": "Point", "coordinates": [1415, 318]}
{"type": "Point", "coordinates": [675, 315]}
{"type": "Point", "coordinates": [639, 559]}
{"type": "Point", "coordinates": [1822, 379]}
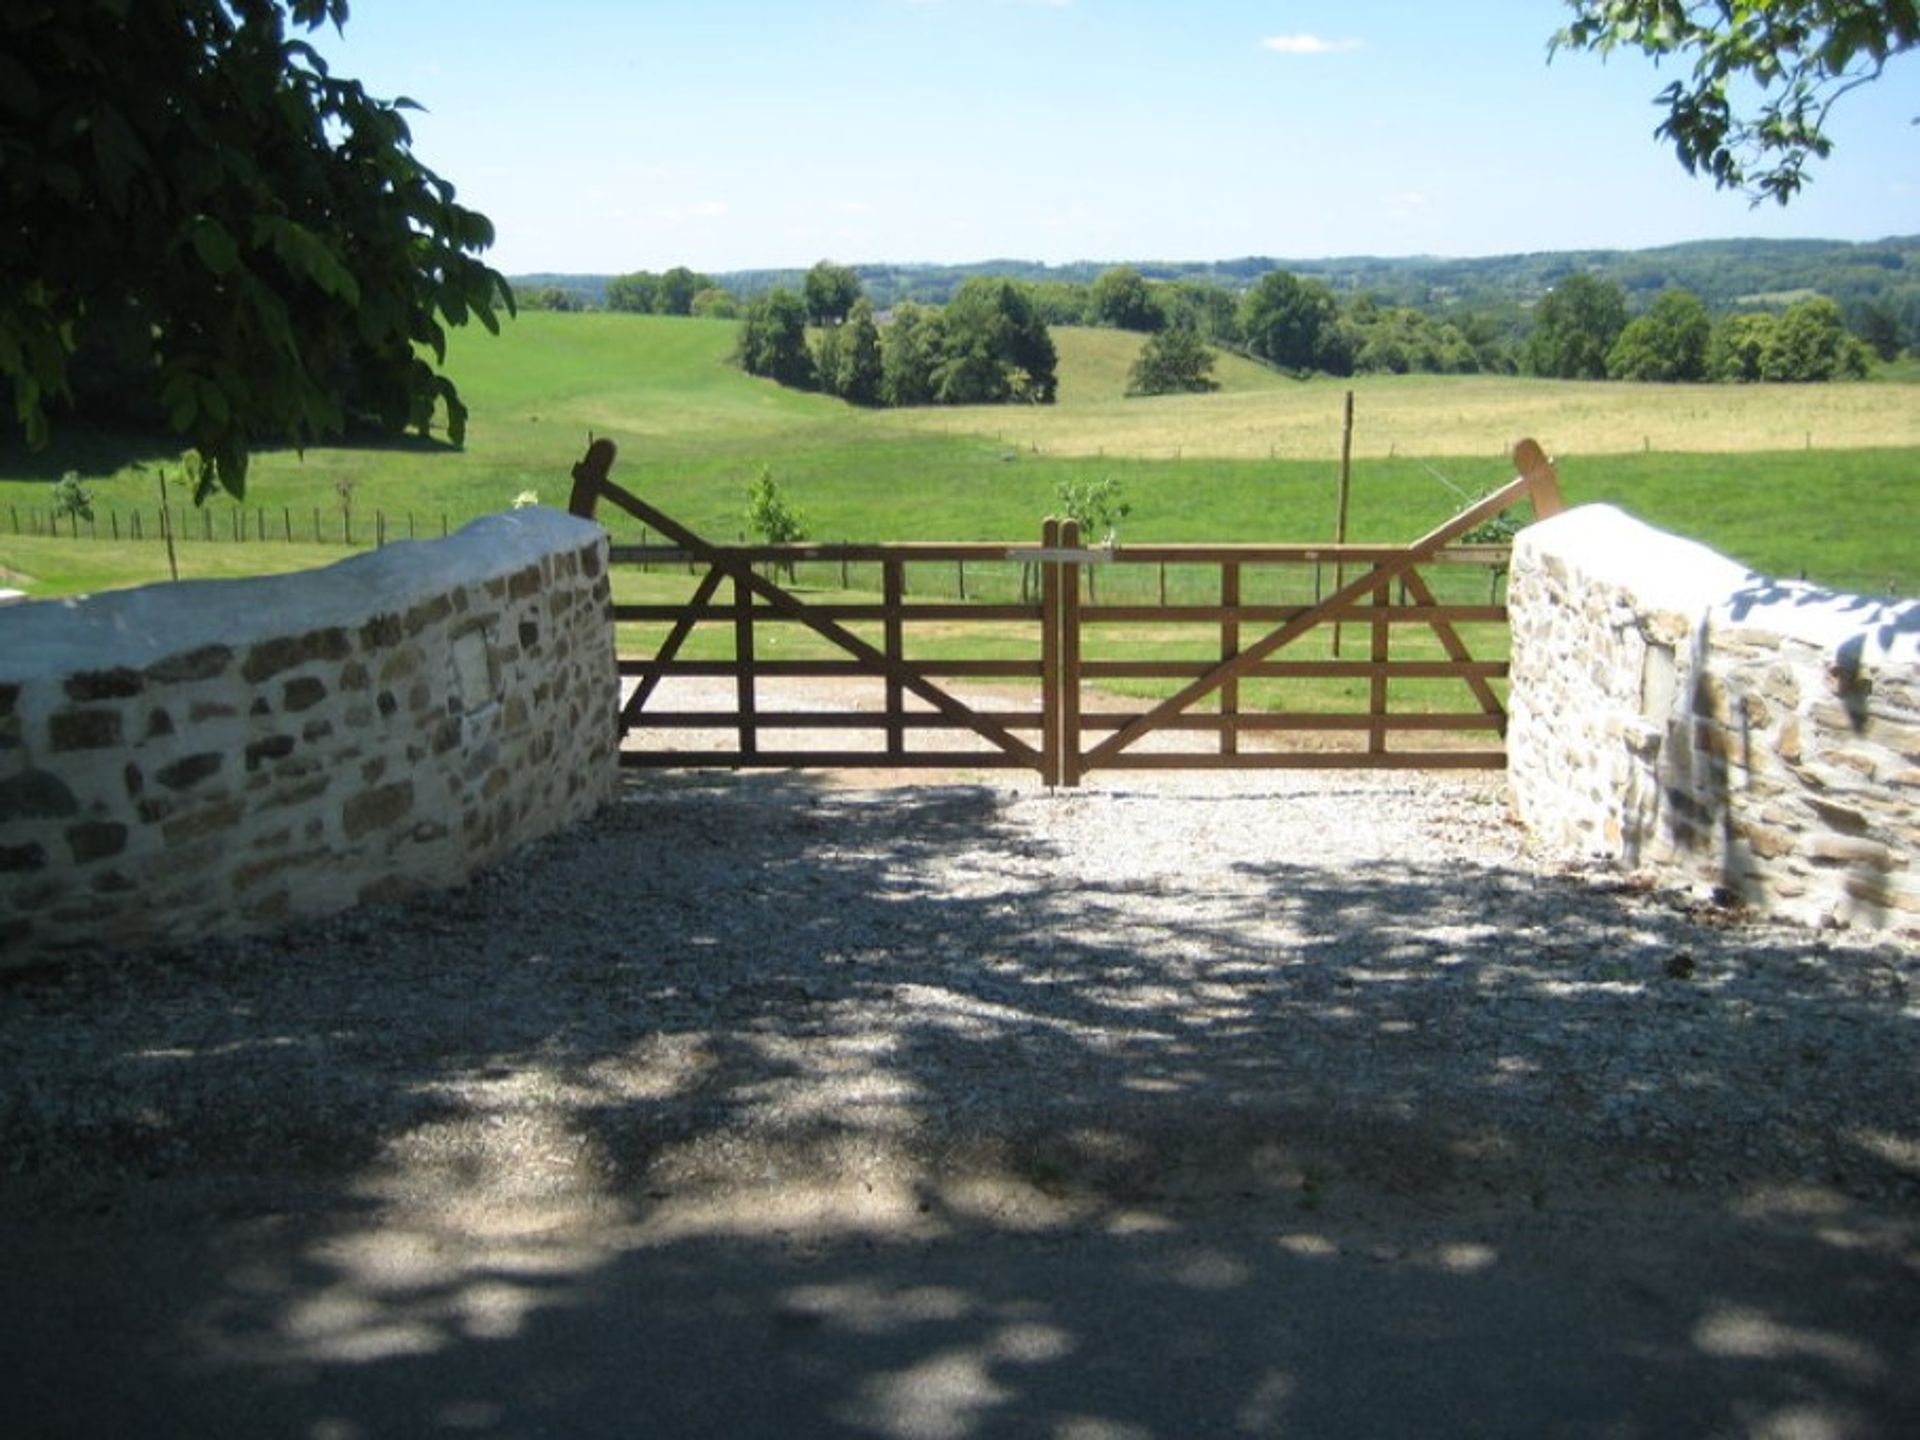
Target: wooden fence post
{"type": "Point", "coordinates": [1543, 480]}
{"type": "Point", "coordinates": [590, 477]}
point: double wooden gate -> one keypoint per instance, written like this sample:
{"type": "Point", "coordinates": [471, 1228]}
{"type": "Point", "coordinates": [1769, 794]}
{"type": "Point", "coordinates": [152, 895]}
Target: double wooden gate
{"type": "Point", "coordinates": [1223, 641]}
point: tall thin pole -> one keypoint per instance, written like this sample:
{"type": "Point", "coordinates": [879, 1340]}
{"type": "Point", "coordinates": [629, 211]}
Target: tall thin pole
{"type": "Point", "coordinates": [1340, 516]}
{"type": "Point", "coordinates": [166, 528]}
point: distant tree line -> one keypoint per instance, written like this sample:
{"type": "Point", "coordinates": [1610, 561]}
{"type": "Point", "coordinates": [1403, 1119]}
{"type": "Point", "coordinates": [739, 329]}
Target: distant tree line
{"type": "Point", "coordinates": [678, 291]}
{"type": "Point", "coordinates": [987, 345]}
{"type": "Point", "coordinates": [988, 341]}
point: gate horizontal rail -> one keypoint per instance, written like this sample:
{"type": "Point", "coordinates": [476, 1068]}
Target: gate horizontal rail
{"type": "Point", "coordinates": [1229, 638]}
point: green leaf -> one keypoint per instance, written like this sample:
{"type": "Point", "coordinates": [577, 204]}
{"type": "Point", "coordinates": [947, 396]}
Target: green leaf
{"type": "Point", "coordinates": [214, 245]}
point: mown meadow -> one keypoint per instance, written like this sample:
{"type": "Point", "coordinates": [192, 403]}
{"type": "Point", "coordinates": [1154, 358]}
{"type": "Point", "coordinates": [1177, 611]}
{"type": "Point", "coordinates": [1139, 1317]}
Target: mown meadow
{"type": "Point", "coordinates": [1821, 480]}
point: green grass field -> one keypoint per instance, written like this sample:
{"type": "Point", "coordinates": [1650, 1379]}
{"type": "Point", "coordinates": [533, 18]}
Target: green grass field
{"type": "Point", "coordinates": [1814, 479]}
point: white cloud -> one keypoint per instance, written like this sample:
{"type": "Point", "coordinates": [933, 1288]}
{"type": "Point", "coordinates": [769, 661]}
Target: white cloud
{"type": "Point", "coordinates": [1308, 45]}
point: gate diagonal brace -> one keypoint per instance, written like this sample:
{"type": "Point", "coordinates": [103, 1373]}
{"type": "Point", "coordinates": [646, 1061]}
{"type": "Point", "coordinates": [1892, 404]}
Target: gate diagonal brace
{"type": "Point", "coordinates": [1529, 484]}
{"type": "Point", "coordinates": [793, 608]}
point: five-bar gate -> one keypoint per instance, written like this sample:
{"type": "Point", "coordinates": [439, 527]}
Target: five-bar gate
{"type": "Point", "coordinates": [1226, 642]}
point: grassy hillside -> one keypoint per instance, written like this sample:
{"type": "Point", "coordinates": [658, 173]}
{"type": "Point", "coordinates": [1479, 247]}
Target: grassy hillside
{"type": "Point", "coordinates": [1255, 461]}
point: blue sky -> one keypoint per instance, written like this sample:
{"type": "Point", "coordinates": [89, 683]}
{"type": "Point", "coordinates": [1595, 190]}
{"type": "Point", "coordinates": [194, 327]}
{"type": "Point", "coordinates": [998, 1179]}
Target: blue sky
{"type": "Point", "coordinates": [602, 136]}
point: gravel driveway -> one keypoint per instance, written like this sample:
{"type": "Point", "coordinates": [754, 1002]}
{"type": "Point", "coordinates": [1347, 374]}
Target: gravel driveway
{"type": "Point", "coordinates": [1348, 1010]}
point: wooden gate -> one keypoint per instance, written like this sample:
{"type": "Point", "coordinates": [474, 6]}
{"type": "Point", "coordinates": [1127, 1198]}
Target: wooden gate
{"type": "Point", "coordinates": [1052, 642]}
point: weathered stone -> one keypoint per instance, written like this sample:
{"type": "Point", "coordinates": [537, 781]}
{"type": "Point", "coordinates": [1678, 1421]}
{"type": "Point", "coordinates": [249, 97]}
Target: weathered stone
{"type": "Point", "coordinates": [316, 730]}
{"type": "Point", "coordinates": [300, 792]}
{"type": "Point", "coordinates": [36, 795]}
{"type": "Point", "coordinates": [1767, 843]}
{"type": "Point", "coordinates": [205, 663]}
{"type": "Point", "coordinates": [200, 823]}
{"type": "Point", "coordinates": [1844, 818]}
{"type": "Point", "coordinates": [22, 859]}
{"type": "Point", "coordinates": [302, 693]}
{"type": "Point", "coordinates": [273, 747]}
{"type": "Point", "coordinates": [380, 632]}
{"type": "Point", "coordinates": [354, 677]}
{"type": "Point", "coordinates": [1850, 850]}
{"type": "Point", "coordinates": [529, 634]}
{"type": "Point", "coordinates": [205, 710]}
{"type": "Point", "coordinates": [159, 724]}
{"type": "Point", "coordinates": [250, 874]}
{"type": "Point", "coordinates": [271, 657]}
{"type": "Point", "coordinates": [94, 840]}
{"type": "Point", "coordinates": [85, 730]}
{"type": "Point", "coordinates": [523, 583]}
{"type": "Point", "coordinates": [430, 612]}
{"type": "Point", "coordinates": [377, 809]}
{"type": "Point", "coordinates": [185, 773]}
{"type": "Point", "coordinates": [115, 684]}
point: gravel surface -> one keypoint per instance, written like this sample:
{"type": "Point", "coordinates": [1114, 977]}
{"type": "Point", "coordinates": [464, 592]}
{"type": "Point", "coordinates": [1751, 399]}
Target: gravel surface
{"type": "Point", "coordinates": [1187, 985]}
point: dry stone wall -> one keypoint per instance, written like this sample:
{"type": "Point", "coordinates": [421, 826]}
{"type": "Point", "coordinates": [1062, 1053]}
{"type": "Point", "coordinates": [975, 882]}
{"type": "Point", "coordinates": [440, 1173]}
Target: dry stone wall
{"type": "Point", "coordinates": [224, 756]}
{"type": "Point", "coordinates": [1675, 712]}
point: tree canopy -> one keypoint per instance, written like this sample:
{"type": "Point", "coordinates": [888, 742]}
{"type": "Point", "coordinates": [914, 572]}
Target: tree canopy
{"type": "Point", "coordinates": [1290, 322]}
{"type": "Point", "coordinates": [1121, 298]}
{"type": "Point", "coordinates": [1173, 361]}
{"type": "Point", "coordinates": [1669, 342]}
{"type": "Point", "coordinates": [187, 186]}
{"type": "Point", "coordinates": [830, 291]}
{"type": "Point", "coordinates": [1574, 327]}
{"type": "Point", "coordinates": [1766, 75]}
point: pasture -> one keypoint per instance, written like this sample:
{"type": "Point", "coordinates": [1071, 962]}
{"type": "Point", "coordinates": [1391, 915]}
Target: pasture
{"type": "Point", "coordinates": [1818, 480]}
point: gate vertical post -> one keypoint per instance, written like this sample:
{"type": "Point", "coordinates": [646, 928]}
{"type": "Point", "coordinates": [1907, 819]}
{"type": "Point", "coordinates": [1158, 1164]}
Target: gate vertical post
{"type": "Point", "coordinates": [1050, 738]}
{"type": "Point", "coordinates": [743, 661]}
{"type": "Point", "coordinates": [1230, 647]}
{"type": "Point", "coordinates": [893, 586]}
{"type": "Point", "coordinates": [1377, 688]}
{"type": "Point", "coordinates": [1069, 583]}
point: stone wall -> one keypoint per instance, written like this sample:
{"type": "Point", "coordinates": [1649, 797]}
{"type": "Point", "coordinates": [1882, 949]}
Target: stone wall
{"type": "Point", "coordinates": [1675, 712]}
{"type": "Point", "coordinates": [223, 756]}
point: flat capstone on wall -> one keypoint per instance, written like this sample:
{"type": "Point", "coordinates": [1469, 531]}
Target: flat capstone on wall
{"type": "Point", "coordinates": [1674, 712]}
{"type": "Point", "coordinates": [215, 757]}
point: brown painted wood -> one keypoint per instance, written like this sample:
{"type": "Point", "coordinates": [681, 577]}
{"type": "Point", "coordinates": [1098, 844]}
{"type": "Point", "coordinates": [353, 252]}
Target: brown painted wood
{"type": "Point", "coordinates": [910, 677]}
{"type": "Point", "coordinates": [1051, 740]}
{"type": "Point", "coordinates": [893, 582]}
{"type": "Point", "coordinates": [590, 478]}
{"type": "Point", "coordinates": [1381, 573]}
{"type": "Point", "coordinates": [1072, 766]}
{"type": "Point", "coordinates": [1366, 598]}
{"type": "Point", "coordinates": [743, 659]}
{"type": "Point", "coordinates": [1230, 647]}
{"type": "Point", "coordinates": [669, 648]}
{"type": "Point", "coordinates": [1381, 653]}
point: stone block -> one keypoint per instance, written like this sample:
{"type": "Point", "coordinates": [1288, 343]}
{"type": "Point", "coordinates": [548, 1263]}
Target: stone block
{"type": "Point", "coordinates": [192, 666]}
{"type": "Point", "coordinates": [380, 808]}
{"type": "Point", "coordinates": [85, 730]}
{"type": "Point", "coordinates": [188, 772]}
{"type": "Point", "coordinates": [36, 795]}
{"type": "Point", "coordinates": [270, 657]}
{"type": "Point", "coordinates": [116, 684]}
{"type": "Point", "coordinates": [94, 840]}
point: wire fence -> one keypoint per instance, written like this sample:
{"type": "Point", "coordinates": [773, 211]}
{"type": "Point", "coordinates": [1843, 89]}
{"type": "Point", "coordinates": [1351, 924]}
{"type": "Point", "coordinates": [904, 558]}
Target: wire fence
{"type": "Point", "coordinates": [234, 524]}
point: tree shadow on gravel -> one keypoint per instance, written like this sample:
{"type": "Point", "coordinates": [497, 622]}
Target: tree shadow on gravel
{"type": "Point", "coordinates": [756, 1107]}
